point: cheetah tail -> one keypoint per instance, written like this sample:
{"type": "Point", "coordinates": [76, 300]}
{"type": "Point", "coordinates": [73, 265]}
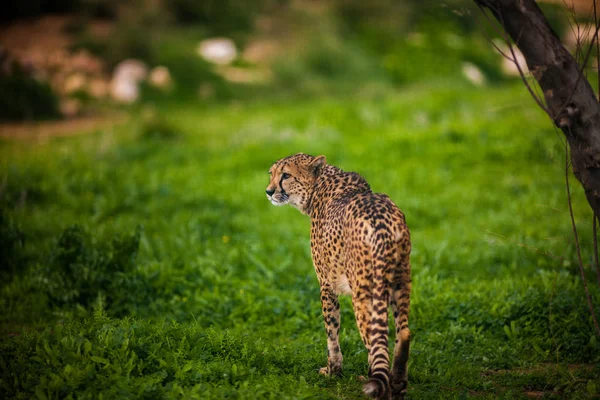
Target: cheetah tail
{"type": "Point", "coordinates": [375, 388]}
{"type": "Point", "coordinates": [378, 384]}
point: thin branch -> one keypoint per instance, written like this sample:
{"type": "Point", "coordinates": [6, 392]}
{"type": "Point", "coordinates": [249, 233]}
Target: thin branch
{"type": "Point", "coordinates": [546, 253]}
{"type": "Point", "coordinates": [550, 316]}
{"type": "Point", "coordinates": [514, 59]}
{"type": "Point", "coordinates": [488, 37]}
{"type": "Point", "coordinates": [493, 9]}
{"type": "Point", "coordinates": [585, 61]}
{"type": "Point", "coordinates": [524, 79]}
{"type": "Point", "coordinates": [598, 65]}
{"type": "Point", "coordinates": [500, 18]}
{"type": "Point", "coordinates": [573, 22]}
{"type": "Point", "coordinates": [585, 286]}
{"type": "Point", "coordinates": [595, 237]}
{"type": "Point", "coordinates": [491, 41]}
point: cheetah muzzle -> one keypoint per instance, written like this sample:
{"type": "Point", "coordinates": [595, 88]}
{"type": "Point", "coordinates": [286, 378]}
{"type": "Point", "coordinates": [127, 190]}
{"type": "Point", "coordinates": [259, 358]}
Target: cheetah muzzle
{"type": "Point", "coordinates": [360, 246]}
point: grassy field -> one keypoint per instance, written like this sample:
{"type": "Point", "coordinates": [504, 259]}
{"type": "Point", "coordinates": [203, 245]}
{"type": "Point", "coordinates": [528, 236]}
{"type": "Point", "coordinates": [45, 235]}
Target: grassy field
{"type": "Point", "coordinates": [144, 261]}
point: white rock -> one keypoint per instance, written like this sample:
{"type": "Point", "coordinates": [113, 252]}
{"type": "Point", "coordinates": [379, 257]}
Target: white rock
{"type": "Point", "coordinates": [126, 77]}
{"type": "Point", "coordinates": [98, 88]}
{"type": "Point", "coordinates": [160, 77]}
{"type": "Point", "coordinates": [220, 51]}
{"type": "Point", "coordinates": [473, 74]}
{"type": "Point", "coordinates": [260, 51]}
{"type": "Point", "coordinates": [131, 69]}
{"type": "Point", "coordinates": [509, 67]}
{"type": "Point", "coordinates": [124, 91]}
{"type": "Point", "coordinates": [70, 107]}
{"type": "Point", "coordinates": [84, 61]}
{"type": "Point", "coordinates": [74, 83]}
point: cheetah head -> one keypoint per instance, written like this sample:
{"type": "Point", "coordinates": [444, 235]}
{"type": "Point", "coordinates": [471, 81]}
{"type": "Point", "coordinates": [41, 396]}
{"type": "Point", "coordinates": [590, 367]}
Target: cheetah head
{"type": "Point", "coordinates": [292, 180]}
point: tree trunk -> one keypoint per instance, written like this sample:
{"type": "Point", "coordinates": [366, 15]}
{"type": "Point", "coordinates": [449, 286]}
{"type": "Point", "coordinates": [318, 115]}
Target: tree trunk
{"type": "Point", "coordinates": [570, 100]}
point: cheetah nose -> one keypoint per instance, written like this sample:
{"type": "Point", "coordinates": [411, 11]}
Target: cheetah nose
{"type": "Point", "coordinates": [270, 192]}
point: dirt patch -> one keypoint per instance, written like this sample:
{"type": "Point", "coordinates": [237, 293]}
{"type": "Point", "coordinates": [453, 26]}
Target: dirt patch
{"type": "Point", "coordinates": [64, 128]}
{"type": "Point", "coordinates": [532, 394]}
{"type": "Point", "coordinates": [538, 381]}
{"type": "Point", "coordinates": [542, 369]}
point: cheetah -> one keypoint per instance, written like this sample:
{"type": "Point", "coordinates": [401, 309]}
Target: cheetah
{"type": "Point", "coordinates": [360, 245]}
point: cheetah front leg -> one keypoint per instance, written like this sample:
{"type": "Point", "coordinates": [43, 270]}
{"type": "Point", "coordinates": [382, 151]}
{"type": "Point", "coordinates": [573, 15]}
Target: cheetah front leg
{"type": "Point", "coordinates": [331, 315]}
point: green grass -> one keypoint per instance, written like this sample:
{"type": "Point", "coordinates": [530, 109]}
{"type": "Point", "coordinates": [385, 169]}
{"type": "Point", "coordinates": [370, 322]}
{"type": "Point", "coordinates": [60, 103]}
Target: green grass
{"type": "Point", "coordinates": [145, 261]}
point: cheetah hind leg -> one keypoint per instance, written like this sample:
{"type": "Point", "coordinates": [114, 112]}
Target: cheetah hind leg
{"type": "Point", "coordinates": [362, 311]}
{"type": "Point", "coordinates": [400, 307]}
{"type": "Point", "coordinates": [378, 385]}
{"type": "Point", "coordinates": [331, 317]}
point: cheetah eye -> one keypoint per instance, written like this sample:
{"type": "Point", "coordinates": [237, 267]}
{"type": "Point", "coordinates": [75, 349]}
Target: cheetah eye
{"type": "Point", "coordinates": [285, 175]}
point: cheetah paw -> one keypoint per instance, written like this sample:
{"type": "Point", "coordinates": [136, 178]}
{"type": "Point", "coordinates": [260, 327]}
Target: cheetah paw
{"type": "Point", "coordinates": [399, 389]}
{"type": "Point", "coordinates": [328, 371]}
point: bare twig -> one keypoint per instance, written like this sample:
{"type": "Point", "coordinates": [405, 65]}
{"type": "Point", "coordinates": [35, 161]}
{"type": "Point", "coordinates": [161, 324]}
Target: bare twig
{"type": "Point", "coordinates": [491, 41]}
{"type": "Point", "coordinates": [598, 64]}
{"type": "Point", "coordinates": [575, 30]}
{"type": "Point", "coordinates": [595, 237]}
{"type": "Point", "coordinates": [582, 68]}
{"type": "Point", "coordinates": [507, 40]}
{"type": "Point", "coordinates": [546, 253]}
{"type": "Point", "coordinates": [585, 286]}
{"type": "Point", "coordinates": [537, 99]}
{"type": "Point", "coordinates": [550, 316]}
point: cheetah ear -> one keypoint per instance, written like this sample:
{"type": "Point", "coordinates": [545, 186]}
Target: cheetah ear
{"type": "Point", "coordinates": [316, 165]}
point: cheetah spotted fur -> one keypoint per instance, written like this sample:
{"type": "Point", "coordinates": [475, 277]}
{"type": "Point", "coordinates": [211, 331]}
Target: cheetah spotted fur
{"type": "Point", "coordinates": [360, 245]}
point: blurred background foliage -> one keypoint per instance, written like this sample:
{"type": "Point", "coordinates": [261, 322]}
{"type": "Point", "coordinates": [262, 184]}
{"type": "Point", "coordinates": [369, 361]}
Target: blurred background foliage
{"type": "Point", "coordinates": [285, 48]}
